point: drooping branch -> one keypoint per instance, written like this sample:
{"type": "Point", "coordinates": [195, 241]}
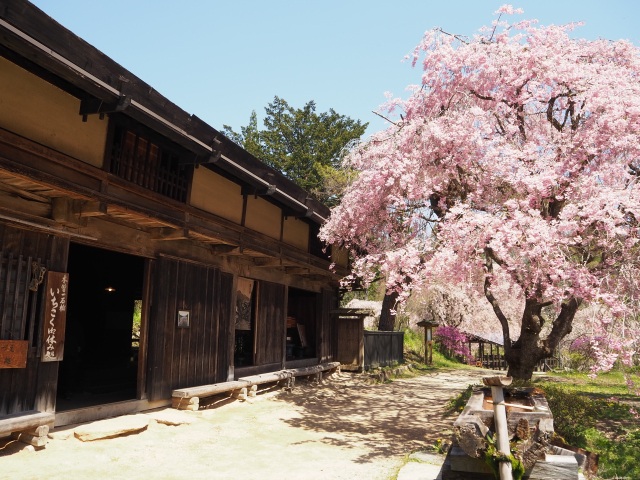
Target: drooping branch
{"type": "Point", "coordinates": [460, 38]}
{"type": "Point", "coordinates": [397, 124]}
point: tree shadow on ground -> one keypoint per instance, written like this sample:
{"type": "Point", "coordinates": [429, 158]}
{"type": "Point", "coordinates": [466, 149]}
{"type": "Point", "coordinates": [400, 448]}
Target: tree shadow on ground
{"type": "Point", "coordinates": [389, 419]}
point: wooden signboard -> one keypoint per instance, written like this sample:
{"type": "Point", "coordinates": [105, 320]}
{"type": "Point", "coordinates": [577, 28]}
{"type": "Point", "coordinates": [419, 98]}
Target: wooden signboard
{"type": "Point", "coordinates": [13, 353]}
{"type": "Point", "coordinates": [55, 316]}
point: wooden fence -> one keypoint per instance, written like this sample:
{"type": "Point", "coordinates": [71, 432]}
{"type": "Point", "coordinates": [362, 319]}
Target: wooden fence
{"type": "Point", "coordinates": [382, 349]}
{"type": "Point", "coordinates": [497, 362]}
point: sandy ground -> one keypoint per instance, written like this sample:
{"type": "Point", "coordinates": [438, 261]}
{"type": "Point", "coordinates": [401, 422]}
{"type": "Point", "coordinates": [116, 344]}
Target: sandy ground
{"type": "Point", "coordinates": [344, 428]}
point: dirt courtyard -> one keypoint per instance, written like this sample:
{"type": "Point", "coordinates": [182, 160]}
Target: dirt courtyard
{"type": "Point", "coordinates": [344, 428]}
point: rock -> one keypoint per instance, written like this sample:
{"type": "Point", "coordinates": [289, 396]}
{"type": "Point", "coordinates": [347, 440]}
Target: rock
{"type": "Point", "coordinates": [112, 427]}
{"type": "Point", "coordinates": [469, 432]}
{"type": "Point", "coordinates": [172, 417]}
{"type": "Point", "coordinates": [419, 471]}
{"type": "Point", "coordinates": [426, 457]}
{"type": "Point", "coordinates": [63, 434]}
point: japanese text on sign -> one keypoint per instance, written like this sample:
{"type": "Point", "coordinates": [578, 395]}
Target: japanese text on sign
{"type": "Point", "coordinates": [55, 316]}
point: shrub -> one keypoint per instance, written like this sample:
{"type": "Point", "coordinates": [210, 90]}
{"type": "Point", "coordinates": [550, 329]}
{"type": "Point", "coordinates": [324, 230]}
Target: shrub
{"type": "Point", "coordinates": [453, 342]}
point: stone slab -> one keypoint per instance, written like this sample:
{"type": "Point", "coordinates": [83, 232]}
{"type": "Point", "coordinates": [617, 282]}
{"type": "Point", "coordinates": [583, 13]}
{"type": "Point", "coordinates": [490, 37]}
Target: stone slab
{"type": "Point", "coordinates": [461, 462]}
{"type": "Point", "coordinates": [558, 467]}
{"type": "Point", "coordinates": [420, 471]}
{"type": "Point", "coordinates": [112, 427]}
{"type": "Point", "coordinates": [172, 417]}
{"type": "Point", "coordinates": [426, 457]}
{"type": "Point", "coordinates": [61, 434]}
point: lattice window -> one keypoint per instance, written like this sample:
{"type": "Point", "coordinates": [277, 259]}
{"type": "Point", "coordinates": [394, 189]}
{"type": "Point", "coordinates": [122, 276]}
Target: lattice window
{"type": "Point", "coordinates": [148, 163]}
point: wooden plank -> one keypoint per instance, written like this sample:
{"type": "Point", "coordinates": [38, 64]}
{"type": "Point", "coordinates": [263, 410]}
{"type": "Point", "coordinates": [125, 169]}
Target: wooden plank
{"type": "Point", "coordinates": [351, 342]}
{"type": "Point", "coordinates": [47, 372]}
{"type": "Point", "coordinates": [208, 390]}
{"type": "Point", "coordinates": [143, 344]}
{"type": "Point", "coordinates": [19, 422]}
{"type": "Point", "coordinates": [19, 291]}
{"type": "Point", "coordinates": [13, 353]}
{"type": "Point", "coordinates": [4, 326]}
{"type": "Point", "coordinates": [55, 314]}
{"type": "Point", "coordinates": [271, 322]}
{"type": "Point", "coordinates": [25, 299]}
{"type": "Point", "coordinates": [202, 327]}
{"type": "Point", "coordinates": [225, 320]}
{"type": "Point", "coordinates": [298, 372]}
{"type": "Point", "coordinates": [184, 403]}
{"type": "Point", "coordinates": [39, 431]}
{"type": "Point", "coordinates": [267, 377]}
{"type": "Point", "coordinates": [180, 361]}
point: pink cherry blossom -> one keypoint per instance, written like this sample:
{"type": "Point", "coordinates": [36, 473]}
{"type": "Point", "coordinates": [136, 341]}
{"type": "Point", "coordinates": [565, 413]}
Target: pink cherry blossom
{"type": "Point", "coordinates": [513, 167]}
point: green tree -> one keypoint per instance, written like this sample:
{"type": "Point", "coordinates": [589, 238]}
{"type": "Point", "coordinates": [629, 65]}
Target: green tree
{"type": "Point", "coordinates": [305, 146]}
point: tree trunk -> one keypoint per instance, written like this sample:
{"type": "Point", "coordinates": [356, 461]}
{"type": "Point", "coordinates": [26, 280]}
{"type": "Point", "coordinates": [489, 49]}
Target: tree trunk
{"type": "Point", "coordinates": [387, 318]}
{"type": "Point", "coordinates": [523, 355]}
{"type": "Point", "coordinates": [522, 360]}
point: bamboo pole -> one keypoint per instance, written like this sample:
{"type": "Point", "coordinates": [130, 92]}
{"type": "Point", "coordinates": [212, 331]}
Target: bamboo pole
{"type": "Point", "coordinates": [500, 420]}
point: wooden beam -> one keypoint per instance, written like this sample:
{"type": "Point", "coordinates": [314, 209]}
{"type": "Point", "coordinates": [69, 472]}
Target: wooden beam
{"type": "Point", "coordinates": [267, 262]}
{"type": "Point", "coordinates": [75, 212]}
{"type": "Point", "coordinates": [92, 106]}
{"type": "Point", "coordinates": [297, 270]}
{"type": "Point", "coordinates": [169, 234]}
{"type": "Point", "coordinates": [20, 192]}
{"type": "Point", "coordinates": [259, 191]}
{"type": "Point", "coordinates": [63, 211]}
{"type": "Point", "coordinates": [90, 208]}
{"type": "Point", "coordinates": [225, 249]}
{"type": "Point", "coordinates": [18, 422]}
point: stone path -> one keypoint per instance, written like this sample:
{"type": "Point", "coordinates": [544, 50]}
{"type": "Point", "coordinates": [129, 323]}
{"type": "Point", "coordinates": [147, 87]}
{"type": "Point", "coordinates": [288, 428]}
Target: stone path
{"type": "Point", "coordinates": [345, 428]}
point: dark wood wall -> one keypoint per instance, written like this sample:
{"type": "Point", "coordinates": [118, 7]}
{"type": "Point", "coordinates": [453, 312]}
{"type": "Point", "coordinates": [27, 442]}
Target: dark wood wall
{"type": "Point", "coordinates": [271, 323]}
{"type": "Point", "coordinates": [33, 387]}
{"type": "Point", "coordinates": [350, 342]}
{"type": "Point", "coordinates": [196, 355]}
{"type": "Point", "coordinates": [328, 331]}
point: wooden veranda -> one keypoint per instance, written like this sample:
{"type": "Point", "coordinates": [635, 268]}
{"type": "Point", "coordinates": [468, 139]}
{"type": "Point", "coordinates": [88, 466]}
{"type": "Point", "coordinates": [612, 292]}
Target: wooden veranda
{"type": "Point", "coordinates": [490, 354]}
{"type": "Point", "coordinates": [487, 353]}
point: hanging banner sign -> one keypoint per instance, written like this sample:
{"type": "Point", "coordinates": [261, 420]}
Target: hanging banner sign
{"type": "Point", "coordinates": [13, 353]}
{"type": "Point", "coordinates": [55, 316]}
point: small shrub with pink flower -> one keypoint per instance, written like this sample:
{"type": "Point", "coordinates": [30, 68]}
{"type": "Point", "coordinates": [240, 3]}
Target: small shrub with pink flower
{"type": "Point", "coordinates": [453, 343]}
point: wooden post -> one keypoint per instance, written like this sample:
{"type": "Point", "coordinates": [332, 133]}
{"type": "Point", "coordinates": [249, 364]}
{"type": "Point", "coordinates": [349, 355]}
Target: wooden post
{"type": "Point", "coordinates": [500, 420]}
{"type": "Point", "coordinates": [428, 340]}
{"type": "Point", "coordinates": [426, 348]}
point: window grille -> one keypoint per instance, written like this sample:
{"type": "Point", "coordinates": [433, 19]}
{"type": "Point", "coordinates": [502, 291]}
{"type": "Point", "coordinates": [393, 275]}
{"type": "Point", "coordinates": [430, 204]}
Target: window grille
{"type": "Point", "coordinates": [149, 164]}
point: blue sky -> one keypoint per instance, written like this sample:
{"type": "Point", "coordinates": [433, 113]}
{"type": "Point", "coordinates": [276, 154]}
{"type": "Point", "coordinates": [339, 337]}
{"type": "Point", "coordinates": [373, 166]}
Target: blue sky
{"type": "Point", "coordinates": [220, 60]}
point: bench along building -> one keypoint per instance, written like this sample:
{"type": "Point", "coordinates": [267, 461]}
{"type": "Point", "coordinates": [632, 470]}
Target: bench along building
{"type": "Point", "coordinates": [142, 251]}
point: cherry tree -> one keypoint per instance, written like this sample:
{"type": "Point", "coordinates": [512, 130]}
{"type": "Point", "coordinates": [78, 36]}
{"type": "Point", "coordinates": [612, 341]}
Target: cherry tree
{"type": "Point", "coordinates": [512, 167]}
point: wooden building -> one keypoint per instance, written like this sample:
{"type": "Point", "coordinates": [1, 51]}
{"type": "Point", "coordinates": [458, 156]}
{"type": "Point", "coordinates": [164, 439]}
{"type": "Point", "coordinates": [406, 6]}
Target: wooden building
{"type": "Point", "coordinates": [142, 251]}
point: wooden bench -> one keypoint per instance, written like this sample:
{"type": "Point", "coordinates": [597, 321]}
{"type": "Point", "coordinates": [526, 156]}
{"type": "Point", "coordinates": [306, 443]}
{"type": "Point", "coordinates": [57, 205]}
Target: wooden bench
{"type": "Point", "coordinates": [30, 427]}
{"type": "Point", "coordinates": [315, 370]}
{"type": "Point", "coordinates": [189, 398]}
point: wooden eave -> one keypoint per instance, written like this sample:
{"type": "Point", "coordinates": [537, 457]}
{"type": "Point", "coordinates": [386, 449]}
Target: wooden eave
{"type": "Point", "coordinates": [44, 188]}
{"type": "Point", "coordinates": [46, 43]}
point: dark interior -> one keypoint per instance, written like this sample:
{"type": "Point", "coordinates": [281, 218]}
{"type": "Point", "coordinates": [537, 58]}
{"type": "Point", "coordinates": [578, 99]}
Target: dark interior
{"type": "Point", "coordinates": [101, 349]}
{"type": "Point", "coordinates": [301, 324]}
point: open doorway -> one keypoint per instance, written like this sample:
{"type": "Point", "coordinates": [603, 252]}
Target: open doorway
{"type": "Point", "coordinates": [301, 324]}
{"type": "Point", "coordinates": [102, 332]}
